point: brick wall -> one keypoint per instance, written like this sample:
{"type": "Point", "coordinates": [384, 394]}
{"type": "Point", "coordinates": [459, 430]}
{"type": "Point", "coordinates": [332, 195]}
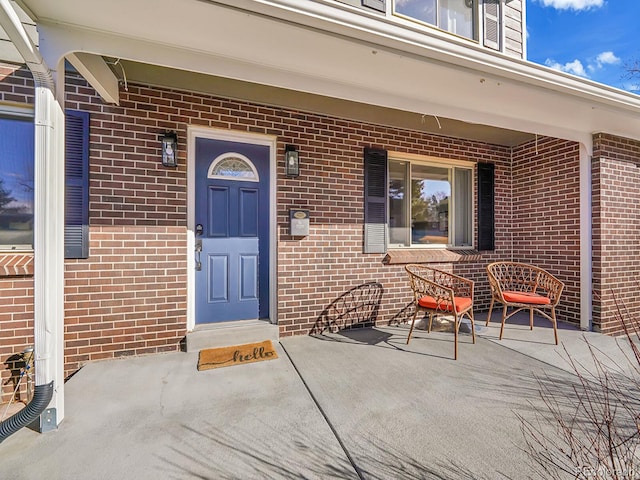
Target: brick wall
{"type": "Point", "coordinates": [16, 84]}
{"type": "Point", "coordinates": [128, 187]}
{"type": "Point", "coordinates": [129, 297]}
{"type": "Point", "coordinates": [16, 327]}
{"type": "Point", "coordinates": [329, 262]}
{"type": "Point", "coordinates": [546, 214]}
{"type": "Point", "coordinates": [616, 231]}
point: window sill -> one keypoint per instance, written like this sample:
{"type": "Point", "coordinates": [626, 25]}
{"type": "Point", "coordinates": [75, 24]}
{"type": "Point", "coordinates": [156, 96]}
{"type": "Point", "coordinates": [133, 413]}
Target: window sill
{"type": "Point", "coordinates": [432, 255]}
{"type": "Point", "coordinates": [16, 264]}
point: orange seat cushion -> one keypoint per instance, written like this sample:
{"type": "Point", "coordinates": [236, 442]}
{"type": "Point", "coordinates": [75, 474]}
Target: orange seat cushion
{"type": "Point", "coordinates": [461, 303]}
{"type": "Point", "coordinates": [526, 297]}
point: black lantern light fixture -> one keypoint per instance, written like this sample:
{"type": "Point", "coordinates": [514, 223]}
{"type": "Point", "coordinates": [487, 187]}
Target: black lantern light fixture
{"type": "Point", "coordinates": [169, 149]}
{"type": "Point", "coordinates": [291, 161]}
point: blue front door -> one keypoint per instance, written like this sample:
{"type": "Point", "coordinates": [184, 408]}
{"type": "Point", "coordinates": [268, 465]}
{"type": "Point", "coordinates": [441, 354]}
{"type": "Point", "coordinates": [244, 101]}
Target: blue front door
{"type": "Point", "coordinates": [232, 231]}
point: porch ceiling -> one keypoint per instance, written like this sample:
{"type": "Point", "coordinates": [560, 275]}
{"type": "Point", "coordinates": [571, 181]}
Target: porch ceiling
{"type": "Point", "coordinates": [197, 82]}
{"type": "Point", "coordinates": [320, 48]}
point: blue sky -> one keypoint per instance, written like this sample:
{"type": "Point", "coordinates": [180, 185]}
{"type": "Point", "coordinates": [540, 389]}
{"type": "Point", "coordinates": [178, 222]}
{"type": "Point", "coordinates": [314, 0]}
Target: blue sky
{"type": "Point", "coordinates": [594, 39]}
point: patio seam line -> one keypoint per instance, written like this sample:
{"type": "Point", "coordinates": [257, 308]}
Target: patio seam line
{"type": "Point", "coordinates": [324, 415]}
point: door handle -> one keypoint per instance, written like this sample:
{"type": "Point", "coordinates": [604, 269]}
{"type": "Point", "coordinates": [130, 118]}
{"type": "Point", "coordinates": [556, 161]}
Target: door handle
{"type": "Point", "coordinates": [198, 252]}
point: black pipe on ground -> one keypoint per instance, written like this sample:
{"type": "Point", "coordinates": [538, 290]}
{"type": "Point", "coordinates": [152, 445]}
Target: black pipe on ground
{"type": "Point", "coordinates": [41, 397]}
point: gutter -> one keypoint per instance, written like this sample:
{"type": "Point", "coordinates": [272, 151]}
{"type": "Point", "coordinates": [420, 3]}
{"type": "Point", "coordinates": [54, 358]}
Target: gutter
{"type": "Point", "coordinates": [48, 236]}
{"type": "Point", "coordinates": [403, 38]}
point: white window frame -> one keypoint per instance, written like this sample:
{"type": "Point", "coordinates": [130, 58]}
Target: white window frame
{"type": "Point", "coordinates": [450, 165]}
{"type": "Point", "coordinates": [475, 23]}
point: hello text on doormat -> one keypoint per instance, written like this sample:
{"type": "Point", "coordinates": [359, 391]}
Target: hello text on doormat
{"type": "Point", "coordinates": [236, 355]}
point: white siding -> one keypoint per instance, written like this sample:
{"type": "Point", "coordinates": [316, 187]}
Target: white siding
{"type": "Point", "coordinates": [514, 28]}
{"type": "Point", "coordinates": [9, 53]}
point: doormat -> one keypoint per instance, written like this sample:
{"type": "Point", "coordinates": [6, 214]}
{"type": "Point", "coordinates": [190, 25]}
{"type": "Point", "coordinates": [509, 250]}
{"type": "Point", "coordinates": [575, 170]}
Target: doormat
{"type": "Point", "coordinates": [236, 355]}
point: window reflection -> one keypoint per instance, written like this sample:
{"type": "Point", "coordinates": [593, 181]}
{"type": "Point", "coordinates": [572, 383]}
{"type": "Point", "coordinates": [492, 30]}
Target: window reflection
{"type": "Point", "coordinates": [430, 191]}
{"type": "Point", "coordinates": [16, 183]}
{"type": "Point", "coordinates": [423, 10]}
{"type": "Point", "coordinates": [455, 16]}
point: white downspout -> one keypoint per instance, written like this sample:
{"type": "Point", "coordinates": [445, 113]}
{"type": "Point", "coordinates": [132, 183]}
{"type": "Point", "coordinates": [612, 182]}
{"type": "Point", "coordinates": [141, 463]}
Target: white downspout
{"type": "Point", "coordinates": [586, 229]}
{"type": "Point", "coordinates": [48, 242]}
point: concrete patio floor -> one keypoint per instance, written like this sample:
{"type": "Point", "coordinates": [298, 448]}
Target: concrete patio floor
{"type": "Point", "coordinates": [355, 404]}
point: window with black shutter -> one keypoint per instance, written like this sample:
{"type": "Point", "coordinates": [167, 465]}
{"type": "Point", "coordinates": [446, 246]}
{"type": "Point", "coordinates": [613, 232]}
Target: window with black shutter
{"type": "Point", "coordinates": [486, 213]}
{"type": "Point", "coordinates": [76, 228]}
{"type": "Point", "coordinates": [413, 201]}
{"type": "Point", "coordinates": [375, 200]}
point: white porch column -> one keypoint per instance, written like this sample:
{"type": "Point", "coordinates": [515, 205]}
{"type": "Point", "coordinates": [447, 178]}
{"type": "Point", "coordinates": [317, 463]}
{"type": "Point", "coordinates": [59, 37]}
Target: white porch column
{"type": "Point", "coordinates": [48, 242]}
{"type": "Point", "coordinates": [586, 229]}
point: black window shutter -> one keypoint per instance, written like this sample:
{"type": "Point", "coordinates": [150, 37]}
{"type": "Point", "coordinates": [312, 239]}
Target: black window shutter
{"type": "Point", "coordinates": [375, 200]}
{"type": "Point", "coordinates": [76, 223]}
{"type": "Point", "coordinates": [486, 211]}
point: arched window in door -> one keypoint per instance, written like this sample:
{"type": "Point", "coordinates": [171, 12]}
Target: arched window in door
{"type": "Point", "coordinates": [233, 166]}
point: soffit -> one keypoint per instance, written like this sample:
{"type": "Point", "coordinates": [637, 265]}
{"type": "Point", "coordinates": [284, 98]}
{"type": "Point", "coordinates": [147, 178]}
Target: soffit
{"type": "Point", "coordinates": [179, 79]}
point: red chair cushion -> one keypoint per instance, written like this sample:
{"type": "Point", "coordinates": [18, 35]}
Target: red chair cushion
{"type": "Point", "coordinates": [445, 305]}
{"type": "Point", "coordinates": [526, 297]}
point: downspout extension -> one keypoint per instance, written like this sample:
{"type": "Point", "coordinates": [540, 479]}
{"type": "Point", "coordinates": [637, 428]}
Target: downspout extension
{"type": "Point", "coordinates": [41, 397]}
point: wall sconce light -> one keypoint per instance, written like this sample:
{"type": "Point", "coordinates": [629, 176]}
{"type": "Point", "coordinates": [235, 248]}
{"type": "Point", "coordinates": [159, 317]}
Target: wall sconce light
{"type": "Point", "coordinates": [169, 149]}
{"type": "Point", "coordinates": [291, 161]}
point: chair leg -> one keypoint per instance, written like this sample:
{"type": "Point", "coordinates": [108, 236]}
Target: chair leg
{"type": "Point", "coordinates": [504, 316]}
{"type": "Point", "coordinates": [455, 341]}
{"type": "Point", "coordinates": [490, 310]}
{"type": "Point", "coordinates": [473, 326]}
{"type": "Point", "coordinates": [413, 322]}
{"type": "Point", "coordinates": [430, 321]}
{"type": "Point", "coordinates": [531, 319]}
{"type": "Point", "coordinates": [555, 323]}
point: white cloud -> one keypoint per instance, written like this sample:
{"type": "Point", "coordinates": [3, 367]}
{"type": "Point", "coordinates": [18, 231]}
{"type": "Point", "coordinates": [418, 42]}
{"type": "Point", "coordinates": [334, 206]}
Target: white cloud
{"type": "Point", "coordinates": [608, 58]}
{"type": "Point", "coordinates": [575, 67]}
{"type": "Point", "coordinates": [573, 4]}
{"type": "Point", "coordinates": [604, 58]}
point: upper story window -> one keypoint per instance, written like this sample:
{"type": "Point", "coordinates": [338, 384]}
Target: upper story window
{"type": "Point", "coordinates": [16, 180]}
{"type": "Point", "coordinates": [455, 16]}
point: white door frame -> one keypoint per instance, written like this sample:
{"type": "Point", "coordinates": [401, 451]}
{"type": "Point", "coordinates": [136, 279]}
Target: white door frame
{"type": "Point", "coordinates": [194, 132]}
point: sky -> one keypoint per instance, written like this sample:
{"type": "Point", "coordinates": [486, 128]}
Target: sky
{"type": "Point", "coordinates": [594, 39]}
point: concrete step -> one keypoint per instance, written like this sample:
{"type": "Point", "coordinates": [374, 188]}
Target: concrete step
{"type": "Point", "coordinates": [230, 333]}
